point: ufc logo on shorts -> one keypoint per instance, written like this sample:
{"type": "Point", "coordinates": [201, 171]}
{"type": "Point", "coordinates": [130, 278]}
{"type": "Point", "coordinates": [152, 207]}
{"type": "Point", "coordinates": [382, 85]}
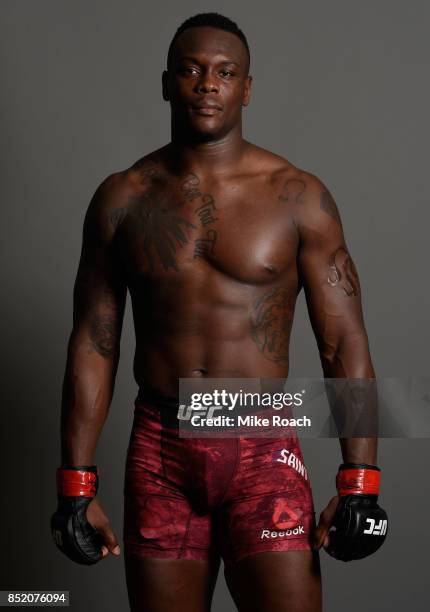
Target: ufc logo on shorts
{"type": "Point", "coordinates": [375, 528]}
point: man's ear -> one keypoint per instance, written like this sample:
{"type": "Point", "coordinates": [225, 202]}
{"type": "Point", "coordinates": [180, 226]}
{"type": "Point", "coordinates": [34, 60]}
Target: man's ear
{"type": "Point", "coordinates": [247, 91]}
{"type": "Point", "coordinates": [164, 79]}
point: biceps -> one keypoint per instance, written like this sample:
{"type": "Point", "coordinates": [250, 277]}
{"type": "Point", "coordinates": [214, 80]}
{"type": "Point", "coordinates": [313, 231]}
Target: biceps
{"type": "Point", "coordinates": [333, 295]}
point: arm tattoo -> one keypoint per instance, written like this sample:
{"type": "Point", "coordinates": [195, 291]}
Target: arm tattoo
{"type": "Point", "coordinates": [104, 335]}
{"type": "Point", "coordinates": [328, 205]}
{"type": "Point", "coordinates": [293, 191]}
{"type": "Point", "coordinates": [271, 324]}
{"type": "Point", "coordinates": [342, 272]}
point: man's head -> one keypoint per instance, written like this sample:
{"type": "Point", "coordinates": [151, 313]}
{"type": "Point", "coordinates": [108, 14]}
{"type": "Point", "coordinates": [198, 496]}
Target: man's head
{"type": "Point", "coordinates": [207, 68]}
{"type": "Point", "coordinates": [213, 20]}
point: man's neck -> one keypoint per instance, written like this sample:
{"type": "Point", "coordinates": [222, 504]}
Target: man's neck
{"type": "Point", "coordinates": [214, 157]}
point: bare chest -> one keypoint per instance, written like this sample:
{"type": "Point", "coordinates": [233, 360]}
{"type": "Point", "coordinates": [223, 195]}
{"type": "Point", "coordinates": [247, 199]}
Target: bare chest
{"type": "Point", "coordinates": [245, 234]}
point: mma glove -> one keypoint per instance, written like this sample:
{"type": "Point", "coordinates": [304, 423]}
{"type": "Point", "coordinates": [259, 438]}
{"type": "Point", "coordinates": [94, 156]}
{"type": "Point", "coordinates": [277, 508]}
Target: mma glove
{"type": "Point", "coordinates": [71, 531]}
{"type": "Point", "coordinates": [360, 524]}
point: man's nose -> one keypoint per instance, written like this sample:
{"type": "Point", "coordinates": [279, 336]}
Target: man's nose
{"type": "Point", "coordinates": [207, 83]}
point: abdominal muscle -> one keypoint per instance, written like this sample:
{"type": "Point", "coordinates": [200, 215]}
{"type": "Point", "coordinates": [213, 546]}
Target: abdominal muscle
{"type": "Point", "coordinates": [208, 338]}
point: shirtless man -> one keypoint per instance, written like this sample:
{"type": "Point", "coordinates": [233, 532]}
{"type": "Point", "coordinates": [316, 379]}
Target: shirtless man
{"type": "Point", "coordinates": [214, 238]}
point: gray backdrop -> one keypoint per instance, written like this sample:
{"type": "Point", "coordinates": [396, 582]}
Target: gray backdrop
{"type": "Point", "coordinates": [340, 89]}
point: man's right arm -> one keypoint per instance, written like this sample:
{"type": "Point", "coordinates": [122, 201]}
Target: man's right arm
{"type": "Point", "coordinates": [98, 308]}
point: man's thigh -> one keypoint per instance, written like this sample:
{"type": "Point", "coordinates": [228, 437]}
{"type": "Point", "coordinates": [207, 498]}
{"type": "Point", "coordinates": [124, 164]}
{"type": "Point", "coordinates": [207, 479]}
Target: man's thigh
{"type": "Point", "coordinates": [163, 585]}
{"type": "Point", "coordinates": [276, 582]}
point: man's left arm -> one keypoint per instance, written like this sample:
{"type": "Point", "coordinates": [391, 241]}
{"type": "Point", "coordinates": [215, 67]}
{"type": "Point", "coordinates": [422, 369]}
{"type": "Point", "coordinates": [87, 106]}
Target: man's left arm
{"type": "Point", "coordinates": [333, 296]}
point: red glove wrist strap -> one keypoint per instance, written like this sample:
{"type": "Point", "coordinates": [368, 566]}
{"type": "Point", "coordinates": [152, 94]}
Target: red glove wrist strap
{"type": "Point", "coordinates": [362, 481]}
{"type": "Point", "coordinates": [76, 483]}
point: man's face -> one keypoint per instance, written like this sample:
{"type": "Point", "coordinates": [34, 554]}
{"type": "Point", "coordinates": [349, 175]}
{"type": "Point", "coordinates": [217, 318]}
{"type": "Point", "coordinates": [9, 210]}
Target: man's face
{"type": "Point", "coordinates": [207, 83]}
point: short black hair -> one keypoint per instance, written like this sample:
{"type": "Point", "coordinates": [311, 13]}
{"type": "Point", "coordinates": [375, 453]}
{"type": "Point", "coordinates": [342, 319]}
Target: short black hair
{"type": "Point", "coordinates": [213, 20]}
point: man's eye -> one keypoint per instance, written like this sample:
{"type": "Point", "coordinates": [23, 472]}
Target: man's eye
{"type": "Point", "coordinates": [187, 70]}
{"type": "Point", "coordinates": [226, 73]}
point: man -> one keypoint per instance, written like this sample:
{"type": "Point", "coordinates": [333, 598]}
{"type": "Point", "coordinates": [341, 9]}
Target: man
{"type": "Point", "coordinates": [214, 238]}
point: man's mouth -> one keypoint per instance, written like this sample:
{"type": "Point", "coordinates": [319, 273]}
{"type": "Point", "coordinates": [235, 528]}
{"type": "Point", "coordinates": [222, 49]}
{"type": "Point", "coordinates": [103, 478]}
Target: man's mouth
{"type": "Point", "coordinates": [205, 110]}
{"type": "Point", "coordinates": [206, 107]}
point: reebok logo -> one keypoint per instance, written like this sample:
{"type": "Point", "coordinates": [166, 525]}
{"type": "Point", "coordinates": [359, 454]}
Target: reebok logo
{"type": "Point", "coordinates": [376, 528]}
{"type": "Point", "coordinates": [285, 517]}
{"type": "Point", "coordinates": [267, 533]}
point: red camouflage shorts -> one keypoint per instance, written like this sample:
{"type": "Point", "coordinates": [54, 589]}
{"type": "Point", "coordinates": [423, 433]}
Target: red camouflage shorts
{"type": "Point", "coordinates": [191, 498]}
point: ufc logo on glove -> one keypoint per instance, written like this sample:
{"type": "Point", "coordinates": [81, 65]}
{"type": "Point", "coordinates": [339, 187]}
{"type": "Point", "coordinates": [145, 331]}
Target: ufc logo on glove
{"type": "Point", "coordinates": [376, 529]}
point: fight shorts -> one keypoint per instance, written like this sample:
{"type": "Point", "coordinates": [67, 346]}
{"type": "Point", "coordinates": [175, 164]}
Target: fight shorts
{"type": "Point", "coordinates": [194, 498]}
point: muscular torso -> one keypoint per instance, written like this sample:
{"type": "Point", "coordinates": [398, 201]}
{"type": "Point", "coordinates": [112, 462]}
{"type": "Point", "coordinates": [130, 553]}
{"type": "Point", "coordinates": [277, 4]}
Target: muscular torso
{"type": "Point", "coordinates": [211, 266]}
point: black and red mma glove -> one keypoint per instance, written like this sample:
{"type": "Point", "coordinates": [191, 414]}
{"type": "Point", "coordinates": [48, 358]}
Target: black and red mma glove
{"type": "Point", "coordinates": [360, 525]}
{"type": "Point", "coordinates": [71, 531]}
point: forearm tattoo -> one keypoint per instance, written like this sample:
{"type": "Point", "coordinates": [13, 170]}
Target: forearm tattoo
{"type": "Point", "coordinates": [342, 272]}
{"type": "Point", "coordinates": [271, 324]}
